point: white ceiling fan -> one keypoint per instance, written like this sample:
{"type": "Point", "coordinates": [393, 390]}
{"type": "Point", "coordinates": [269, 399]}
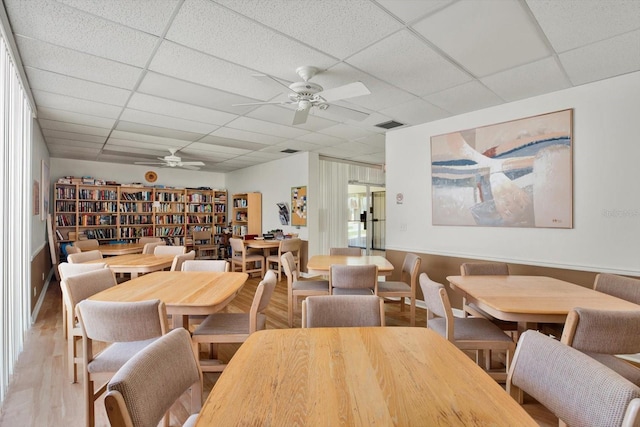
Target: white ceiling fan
{"type": "Point", "coordinates": [306, 95]}
{"type": "Point", "coordinates": [173, 161]}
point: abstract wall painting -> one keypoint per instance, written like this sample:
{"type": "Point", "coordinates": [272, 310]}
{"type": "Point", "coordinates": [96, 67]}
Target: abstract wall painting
{"type": "Point", "coordinates": [512, 174]}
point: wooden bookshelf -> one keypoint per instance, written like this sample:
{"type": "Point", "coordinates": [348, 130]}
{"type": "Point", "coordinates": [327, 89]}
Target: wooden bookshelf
{"type": "Point", "coordinates": [247, 214]}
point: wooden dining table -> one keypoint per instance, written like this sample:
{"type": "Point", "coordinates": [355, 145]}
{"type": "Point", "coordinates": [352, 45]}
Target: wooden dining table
{"type": "Point", "coordinates": [112, 249]}
{"type": "Point", "coordinates": [135, 264]}
{"type": "Point", "coordinates": [185, 293]}
{"type": "Point", "coordinates": [265, 245]}
{"type": "Point", "coordinates": [389, 376]}
{"type": "Point", "coordinates": [320, 264]}
{"type": "Point", "coordinates": [529, 300]}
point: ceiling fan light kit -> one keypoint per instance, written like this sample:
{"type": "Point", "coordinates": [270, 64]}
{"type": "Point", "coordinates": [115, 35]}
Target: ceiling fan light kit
{"type": "Point", "coordinates": [305, 95]}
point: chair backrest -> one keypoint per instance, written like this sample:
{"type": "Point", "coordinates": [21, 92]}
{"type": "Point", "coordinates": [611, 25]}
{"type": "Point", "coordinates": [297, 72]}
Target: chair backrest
{"type": "Point", "coordinates": [484, 269]}
{"type": "Point", "coordinates": [603, 331]}
{"type": "Point", "coordinates": [78, 287]}
{"type": "Point", "coordinates": [146, 386]}
{"type": "Point", "coordinates": [410, 269]}
{"type": "Point", "coordinates": [84, 256]}
{"type": "Point", "coordinates": [329, 311]}
{"type": "Point", "coordinates": [437, 302]}
{"type": "Point", "coordinates": [67, 270]}
{"type": "Point", "coordinates": [261, 298]}
{"type": "Point", "coordinates": [179, 260]}
{"type": "Point", "coordinates": [110, 322]}
{"type": "Point", "coordinates": [145, 240]}
{"type": "Point", "coordinates": [290, 245]}
{"type": "Point", "coordinates": [290, 268]}
{"type": "Point", "coordinates": [353, 276]}
{"type": "Point", "coordinates": [576, 388]}
{"type": "Point", "coordinates": [206, 265]}
{"type": "Point", "coordinates": [169, 250]}
{"type": "Point", "coordinates": [202, 237]}
{"type": "Point", "coordinates": [72, 250]}
{"type": "Point", "coordinates": [86, 245]}
{"type": "Point", "coordinates": [237, 246]}
{"type": "Point", "coordinates": [345, 251]}
{"type": "Point", "coordinates": [621, 287]}
{"type": "Point", "coordinates": [150, 247]}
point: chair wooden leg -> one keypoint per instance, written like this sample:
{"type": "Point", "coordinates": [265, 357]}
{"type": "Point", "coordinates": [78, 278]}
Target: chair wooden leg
{"type": "Point", "coordinates": [72, 368]}
{"type": "Point", "coordinates": [412, 312]}
{"type": "Point", "coordinates": [89, 402]}
{"type": "Point", "coordinates": [64, 320]}
{"type": "Point", "coordinates": [290, 310]}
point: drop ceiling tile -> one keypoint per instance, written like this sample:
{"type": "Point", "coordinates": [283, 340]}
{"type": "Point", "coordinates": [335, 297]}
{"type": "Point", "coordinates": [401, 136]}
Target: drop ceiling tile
{"type": "Point", "coordinates": [70, 152]}
{"type": "Point", "coordinates": [415, 112]}
{"type": "Point", "coordinates": [346, 26]}
{"type": "Point", "coordinates": [321, 139]}
{"type": "Point", "coordinates": [263, 156]}
{"type": "Point", "coordinates": [187, 64]}
{"type": "Point", "coordinates": [153, 104]}
{"type": "Point", "coordinates": [208, 156]}
{"type": "Point", "coordinates": [411, 10]}
{"type": "Point", "coordinates": [337, 152]}
{"type": "Point", "coordinates": [74, 118]}
{"type": "Point", "coordinates": [225, 132]}
{"type": "Point", "coordinates": [360, 148]}
{"type": "Point", "coordinates": [71, 127]}
{"type": "Point", "coordinates": [60, 60]}
{"type": "Point", "coordinates": [151, 139]}
{"type": "Point", "coordinates": [573, 23]}
{"type": "Point", "coordinates": [377, 141]}
{"type": "Point", "coordinates": [295, 144]}
{"type": "Point", "coordinates": [220, 149]}
{"type": "Point", "coordinates": [485, 36]}
{"type": "Point", "coordinates": [48, 133]}
{"type": "Point", "coordinates": [61, 25]}
{"type": "Point", "coordinates": [405, 61]}
{"type": "Point", "coordinates": [191, 93]}
{"type": "Point", "coordinates": [608, 58]}
{"type": "Point", "coordinates": [464, 98]}
{"type": "Point", "coordinates": [62, 102]}
{"type": "Point", "coordinates": [150, 147]}
{"type": "Point", "coordinates": [135, 153]}
{"type": "Point", "coordinates": [213, 29]}
{"type": "Point", "coordinates": [268, 128]}
{"type": "Point", "coordinates": [73, 143]}
{"type": "Point", "coordinates": [529, 80]}
{"type": "Point", "coordinates": [153, 119]}
{"type": "Point", "coordinates": [157, 131]}
{"type": "Point", "coordinates": [284, 116]}
{"type": "Point", "coordinates": [240, 163]}
{"type": "Point", "coordinates": [232, 143]}
{"type": "Point", "coordinates": [346, 132]}
{"type": "Point", "coordinates": [376, 158]}
{"type": "Point", "coordinates": [148, 16]}
{"type": "Point", "coordinates": [77, 88]}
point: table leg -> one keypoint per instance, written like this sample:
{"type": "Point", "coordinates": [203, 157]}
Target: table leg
{"type": "Point", "coordinates": [134, 274]}
{"type": "Point", "coordinates": [179, 321]}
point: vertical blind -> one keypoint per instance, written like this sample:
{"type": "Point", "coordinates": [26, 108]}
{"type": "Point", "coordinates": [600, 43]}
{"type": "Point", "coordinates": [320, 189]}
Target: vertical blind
{"type": "Point", "coordinates": [15, 215]}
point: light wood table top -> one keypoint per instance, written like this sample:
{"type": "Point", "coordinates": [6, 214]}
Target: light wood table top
{"type": "Point", "coordinates": [320, 264]}
{"type": "Point", "coordinates": [121, 248]}
{"type": "Point", "coordinates": [184, 292]}
{"type": "Point", "coordinates": [136, 263]}
{"type": "Point", "coordinates": [356, 377]}
{"type": "Point", "coordinates": [535, 299]}
{"type": "Point", "coordinates": [265, 245]}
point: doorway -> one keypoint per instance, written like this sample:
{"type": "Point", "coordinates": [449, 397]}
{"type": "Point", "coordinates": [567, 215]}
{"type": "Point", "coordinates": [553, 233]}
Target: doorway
{"type": "Point", "coordinates": [366, 226]}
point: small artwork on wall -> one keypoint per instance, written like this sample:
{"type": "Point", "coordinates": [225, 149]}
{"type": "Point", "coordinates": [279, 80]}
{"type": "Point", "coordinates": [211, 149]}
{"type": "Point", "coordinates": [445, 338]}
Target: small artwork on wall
{"type": "Point", "coordinates": [299, 206]}
{"type": "Point", "coordinates": [512, 174]}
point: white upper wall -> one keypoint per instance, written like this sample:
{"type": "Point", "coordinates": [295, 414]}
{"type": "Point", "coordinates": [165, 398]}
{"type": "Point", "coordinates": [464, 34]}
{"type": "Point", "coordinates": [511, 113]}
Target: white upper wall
{"type": "Point", "coordinates": [606, 209]}
{"type": "Point", "coordinates": [39, 153]}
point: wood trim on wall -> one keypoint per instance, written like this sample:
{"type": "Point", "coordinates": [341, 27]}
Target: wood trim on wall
{"type": "Point", "coordinates": [40, 268]}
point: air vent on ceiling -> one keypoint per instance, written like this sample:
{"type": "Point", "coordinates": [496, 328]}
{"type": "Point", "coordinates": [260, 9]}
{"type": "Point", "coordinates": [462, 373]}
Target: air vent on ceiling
{"type": "Point", "coordinates": [389, 125]}
{"type": "Point", "coordinates": [289, 151]}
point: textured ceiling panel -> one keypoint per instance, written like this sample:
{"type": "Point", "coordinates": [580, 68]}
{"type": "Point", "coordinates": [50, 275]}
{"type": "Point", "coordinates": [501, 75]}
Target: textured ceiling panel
{"type": "Point", "coordinates": [74, 118]}
{"type": "Point", "coordinates": [412, 10]}
{"type": "Point", "coordinates": [67, 103]}
{"type": "Point", "coordinates": [464, 98]}
{"type": "Point", "coordinates": [415, 112]}
{"type": "Point", "coordinates": [167, 107]}
{"type": "Point", "coordinates": [152, 119]}
{"type": "Point", "coordinates": [71, 127]}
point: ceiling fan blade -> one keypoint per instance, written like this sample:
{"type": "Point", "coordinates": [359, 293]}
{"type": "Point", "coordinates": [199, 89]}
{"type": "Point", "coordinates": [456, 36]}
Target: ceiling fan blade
{"type": "Point", "coordinates": [263, 103]}
{"type": "Point", "coordinates": [193, 168]}
{"type": "Point", "coordinates": [345, 112]}
{"type": "Point", "coordinates": [272, 81]}
{"type": "Point", "coordinates": [149, 163]}
{"type": "Point", "coordinates": [301, 116]}
{"type": "Point", "coordinates": [347, 91]}
{"type": "Point", "coordinates": [191, 164]}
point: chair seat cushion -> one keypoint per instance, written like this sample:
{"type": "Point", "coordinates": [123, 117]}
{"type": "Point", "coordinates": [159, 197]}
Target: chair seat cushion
{"type": "Point", "coordinates": [117, 354]}
{"type": "Point", "coordinates": [228, 324]}
{"type": "Point", "coordinates": [352, 291]}
{"type": "Point", "coordinates": [470, 329]}
{"type": "Point", "coordinates": [248, 258]}
{"type": "Point", "coordinates": [393, 287]}
{"type": "Point", "coordinates": [621, 366]}
{"type": "Point", "coordinates": [311, 285]}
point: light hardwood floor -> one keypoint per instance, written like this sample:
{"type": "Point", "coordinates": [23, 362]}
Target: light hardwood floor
{"type": "Point", "coordinates": [40, 393]}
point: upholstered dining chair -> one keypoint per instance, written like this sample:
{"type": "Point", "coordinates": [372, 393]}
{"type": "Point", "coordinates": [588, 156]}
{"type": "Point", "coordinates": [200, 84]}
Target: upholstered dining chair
{"type": "Point", "coordinates": [333, 311]}
{"type": "Point", "coordinates": [77, 288]}
{"type": "Point", "coordinates": [86, 245]}
{"type": "Point", "coordinates": [70, 249]}
{"type": "Point", "coordinates": [475, 334]}
{"type": "Point", "coordinates": [169, 250]}
{"type": "Point", "coordinates": [203, 244]}
{"type": "Point", "coordinates": [621, 287]}
{"type": "Point", "coordinates": [345, 251]}
{"type": "Point", "coordinates": [127, 326]}
{"type": "Point", "coordinates": [145, 240]}
{"type": "Point", "coordinates": [65, 270]}
{"type": "Point", "coordinates": [602, 334]}
{"type": "Point", "coordinates": [179, 260]}
{"type": "Point", "coordinates": [406, 287]}
{"type": "Point", "coordinates": [241, 258]}
{"type": "Point", "coordinates": [84, 256]}
{"type": "Point", "coordinates": [353, 279]}
{"type": "Point", "coordinates": [150, 247]}
{"type": "Point", "coordinates": [286, 245]}
{"type": "Point", "coordinates": [579, 390]}
{"type": "Point", "coordinates": [219, 265]}
{"type": "Point", "coordinates": [299, 288]}
{"type": "Point", "coordinates": [224, 328]}
{"type": "Point", "coordinates": [143, 390]}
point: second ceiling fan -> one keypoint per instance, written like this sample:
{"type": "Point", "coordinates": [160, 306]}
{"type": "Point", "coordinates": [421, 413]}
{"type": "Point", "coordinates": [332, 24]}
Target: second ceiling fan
{"type": "Point", "coordinates": [305, 95]}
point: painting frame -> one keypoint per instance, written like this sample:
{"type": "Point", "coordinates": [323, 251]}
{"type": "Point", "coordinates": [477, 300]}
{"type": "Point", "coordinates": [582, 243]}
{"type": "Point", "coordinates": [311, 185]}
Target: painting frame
{"type": "Point", "coordinates": [44, 179]}
{"type": "Point", "coordinates": [517, 173]}
{"type": "Point", "coordinates": [299, 206]}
